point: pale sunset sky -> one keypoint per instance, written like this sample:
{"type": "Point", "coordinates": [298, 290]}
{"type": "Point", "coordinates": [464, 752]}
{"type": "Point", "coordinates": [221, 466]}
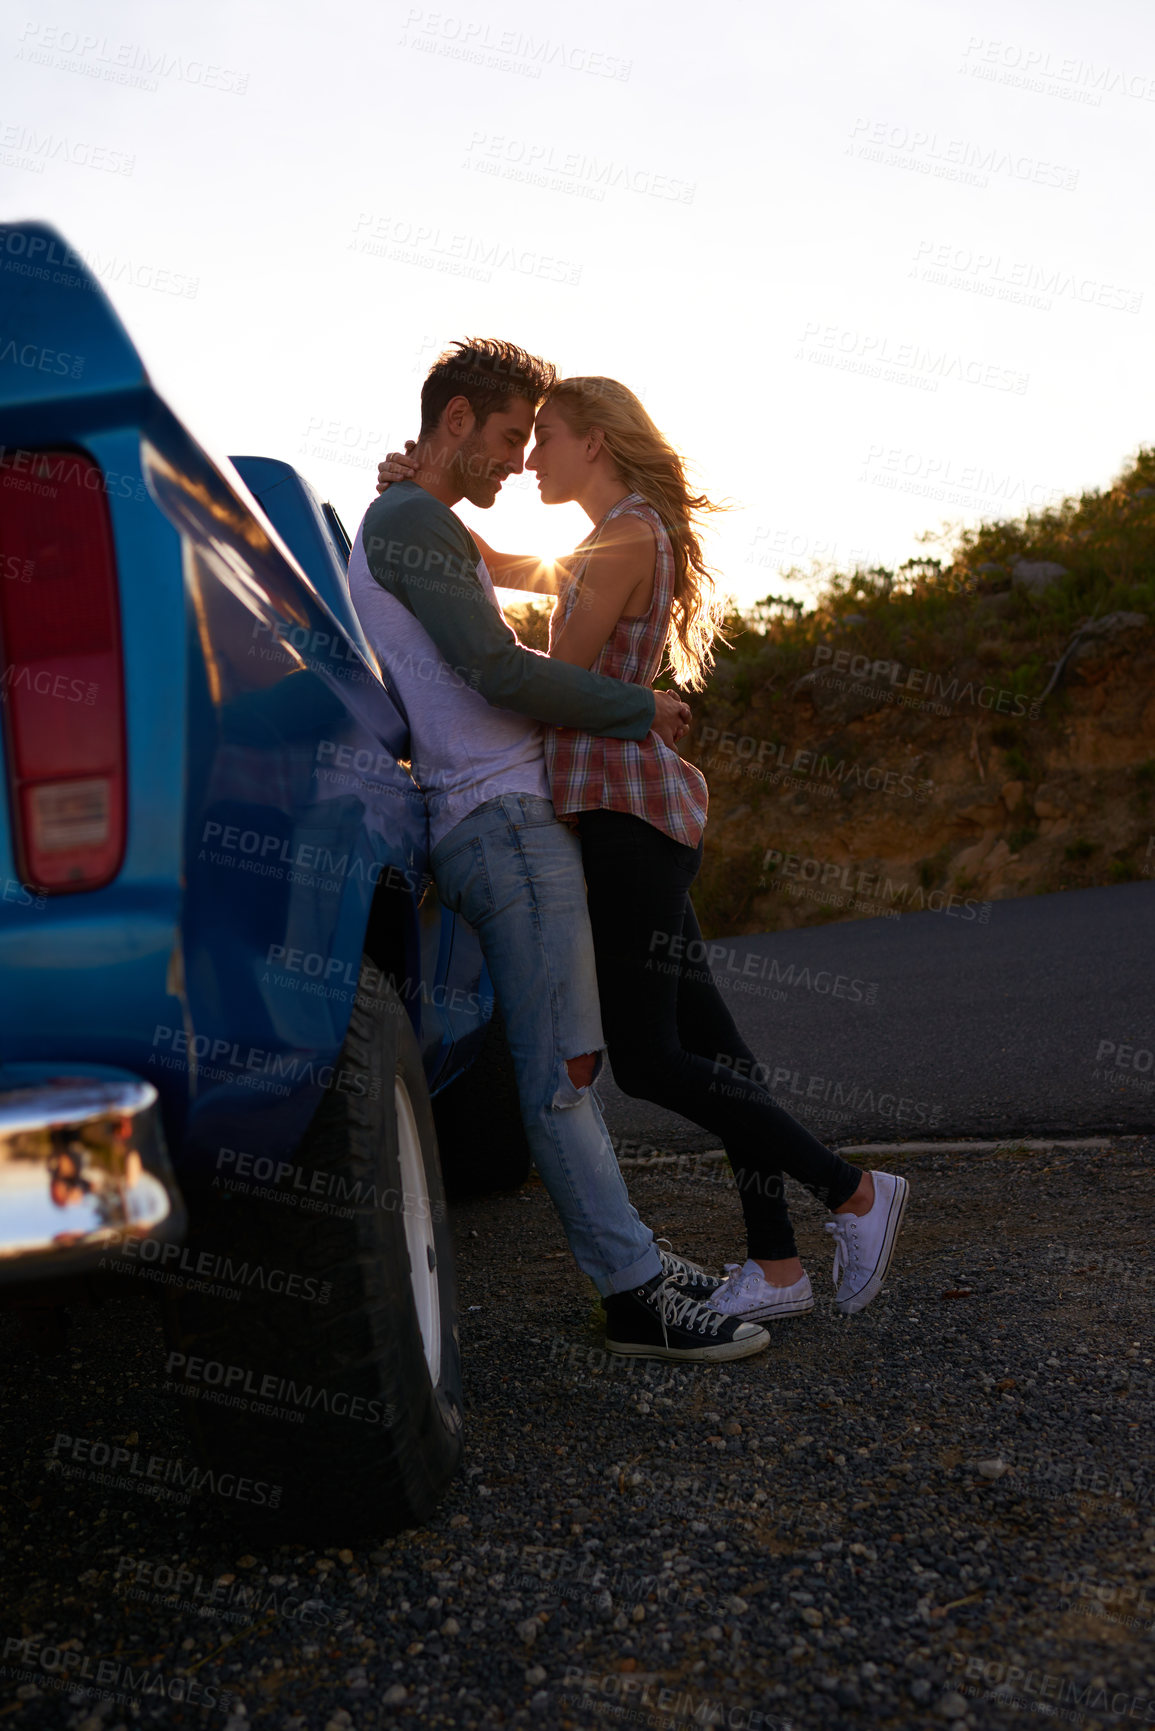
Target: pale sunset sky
{"type": "Point", "coordinates": [872, 269]}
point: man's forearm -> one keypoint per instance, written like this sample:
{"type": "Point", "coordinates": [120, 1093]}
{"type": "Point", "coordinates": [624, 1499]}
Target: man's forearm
{"type": "Point", "coordinates": [510, 676]}
{"type": "Point", "coordinates": [567, 696]}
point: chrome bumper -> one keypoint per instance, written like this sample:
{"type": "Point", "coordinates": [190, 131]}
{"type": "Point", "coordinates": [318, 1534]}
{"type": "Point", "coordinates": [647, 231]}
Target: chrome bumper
{"type": "Point", "coordinates": [83, 1166]}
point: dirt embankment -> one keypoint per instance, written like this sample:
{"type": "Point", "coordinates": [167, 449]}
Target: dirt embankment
{"type": "Point", "coordinates": [871, 784]}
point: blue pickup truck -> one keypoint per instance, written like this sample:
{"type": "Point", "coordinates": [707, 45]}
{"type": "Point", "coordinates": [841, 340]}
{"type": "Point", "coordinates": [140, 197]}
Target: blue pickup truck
{"type": "Point", "coordinates": [228, 995]}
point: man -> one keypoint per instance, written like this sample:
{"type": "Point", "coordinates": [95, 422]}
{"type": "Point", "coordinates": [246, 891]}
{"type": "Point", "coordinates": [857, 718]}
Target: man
{"type": "Point", "coordinates": [475, 698]}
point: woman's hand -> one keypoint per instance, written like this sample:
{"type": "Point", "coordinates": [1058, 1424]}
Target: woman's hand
{"type": "Point", "coordinates": [398, 466]}
{"type": "Point", "coordinates": [672, 717]}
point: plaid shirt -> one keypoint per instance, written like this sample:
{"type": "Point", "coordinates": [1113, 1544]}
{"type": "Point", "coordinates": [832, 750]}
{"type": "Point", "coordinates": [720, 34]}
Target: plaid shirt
{"type": "Point", "coordinates": [588, 772]}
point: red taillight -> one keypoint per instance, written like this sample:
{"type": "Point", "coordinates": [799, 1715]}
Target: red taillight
{"type": "Point", "coordinates": [61, 678]}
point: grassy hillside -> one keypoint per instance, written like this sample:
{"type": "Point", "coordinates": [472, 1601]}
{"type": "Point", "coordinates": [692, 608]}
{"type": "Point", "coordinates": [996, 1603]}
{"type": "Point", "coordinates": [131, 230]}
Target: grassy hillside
{"type": "Point", "coordinates": [973, 726]}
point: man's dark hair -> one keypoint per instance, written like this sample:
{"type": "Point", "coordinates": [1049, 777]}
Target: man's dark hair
{"type": "Point", "coordinates": [488, 374]}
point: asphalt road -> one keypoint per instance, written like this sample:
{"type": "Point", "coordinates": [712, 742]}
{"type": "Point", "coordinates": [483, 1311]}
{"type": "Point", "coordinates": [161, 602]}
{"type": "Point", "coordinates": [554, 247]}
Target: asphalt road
{"type": "Point", "coordinates": [1038, 1021]}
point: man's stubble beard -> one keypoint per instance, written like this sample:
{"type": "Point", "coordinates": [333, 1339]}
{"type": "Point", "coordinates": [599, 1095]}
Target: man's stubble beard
{"type": "Point", "coordinates": [473, 472]}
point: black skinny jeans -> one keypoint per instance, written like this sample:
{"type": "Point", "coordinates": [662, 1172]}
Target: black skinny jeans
{"type": "Point", "coordinates": [671, 1038]}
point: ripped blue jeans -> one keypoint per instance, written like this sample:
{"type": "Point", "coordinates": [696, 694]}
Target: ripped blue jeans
{"type": "Point", "coordinates": [515, 873]}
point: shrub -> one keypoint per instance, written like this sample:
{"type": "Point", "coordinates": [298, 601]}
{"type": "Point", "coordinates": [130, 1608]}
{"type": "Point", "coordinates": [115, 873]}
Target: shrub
{"type": "Point", "coordinates": [932, 870]}
{"type": "Point", "coordinates": [725, 891]}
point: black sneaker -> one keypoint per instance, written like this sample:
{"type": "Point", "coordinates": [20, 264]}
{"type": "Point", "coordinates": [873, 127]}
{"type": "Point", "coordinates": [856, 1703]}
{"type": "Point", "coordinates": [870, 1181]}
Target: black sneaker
{"type": "Point", "coordinates": [690, 1280]}
{"type": "Point", "coordinates": [657, 1320]}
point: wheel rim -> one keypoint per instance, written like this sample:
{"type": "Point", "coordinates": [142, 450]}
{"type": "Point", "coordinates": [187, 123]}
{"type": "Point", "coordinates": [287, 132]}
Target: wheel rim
{"type": "Point", "coordinates": [417, 1216]}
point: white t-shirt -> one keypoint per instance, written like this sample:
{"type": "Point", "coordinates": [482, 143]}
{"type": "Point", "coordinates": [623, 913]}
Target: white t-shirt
{"type": "Point", "coordinates": [464, 751]}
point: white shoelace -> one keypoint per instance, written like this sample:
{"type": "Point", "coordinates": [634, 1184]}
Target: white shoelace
{"type": "Point", "coordinates": [845, 1245]}
{"type": "Point", "coordinates": [678, 1311]}
{"type": "Point", "coordinates": [675, 1265]}
{"type": "Point", "coordinates": [679, 1267]}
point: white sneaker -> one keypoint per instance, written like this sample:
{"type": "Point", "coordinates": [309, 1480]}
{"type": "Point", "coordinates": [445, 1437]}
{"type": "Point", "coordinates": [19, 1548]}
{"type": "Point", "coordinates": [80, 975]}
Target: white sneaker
{"type": "Point", "coordinates": [864, 1244]}
{"type": "Point", "coordinates": [747, 1293]}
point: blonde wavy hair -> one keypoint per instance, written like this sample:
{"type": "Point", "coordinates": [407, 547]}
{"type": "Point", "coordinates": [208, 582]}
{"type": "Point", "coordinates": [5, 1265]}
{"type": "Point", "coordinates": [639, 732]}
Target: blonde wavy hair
{"type": "Point", "coordinates": [651, 467]}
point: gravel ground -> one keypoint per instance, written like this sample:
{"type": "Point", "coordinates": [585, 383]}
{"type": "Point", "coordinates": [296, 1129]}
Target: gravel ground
{"type": "Point", "coordinates": [939, 1512]}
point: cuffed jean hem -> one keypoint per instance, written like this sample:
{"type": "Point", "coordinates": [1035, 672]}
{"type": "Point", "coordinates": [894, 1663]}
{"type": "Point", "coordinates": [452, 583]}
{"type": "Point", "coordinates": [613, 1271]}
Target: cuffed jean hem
{"type": "Point", "coordinates": [627, 1278]}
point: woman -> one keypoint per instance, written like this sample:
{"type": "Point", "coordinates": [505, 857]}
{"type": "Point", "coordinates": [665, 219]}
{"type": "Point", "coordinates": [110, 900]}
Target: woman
{"type": "Point", "coordinates": [634, 595]}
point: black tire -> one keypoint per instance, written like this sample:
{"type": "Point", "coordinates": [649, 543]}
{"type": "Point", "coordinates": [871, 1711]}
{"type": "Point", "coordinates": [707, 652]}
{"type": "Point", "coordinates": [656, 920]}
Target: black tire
{"type": "Point", "coordinates": [373, 1434]}
{"type": "Point", "coordinates": [479, 1127]}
